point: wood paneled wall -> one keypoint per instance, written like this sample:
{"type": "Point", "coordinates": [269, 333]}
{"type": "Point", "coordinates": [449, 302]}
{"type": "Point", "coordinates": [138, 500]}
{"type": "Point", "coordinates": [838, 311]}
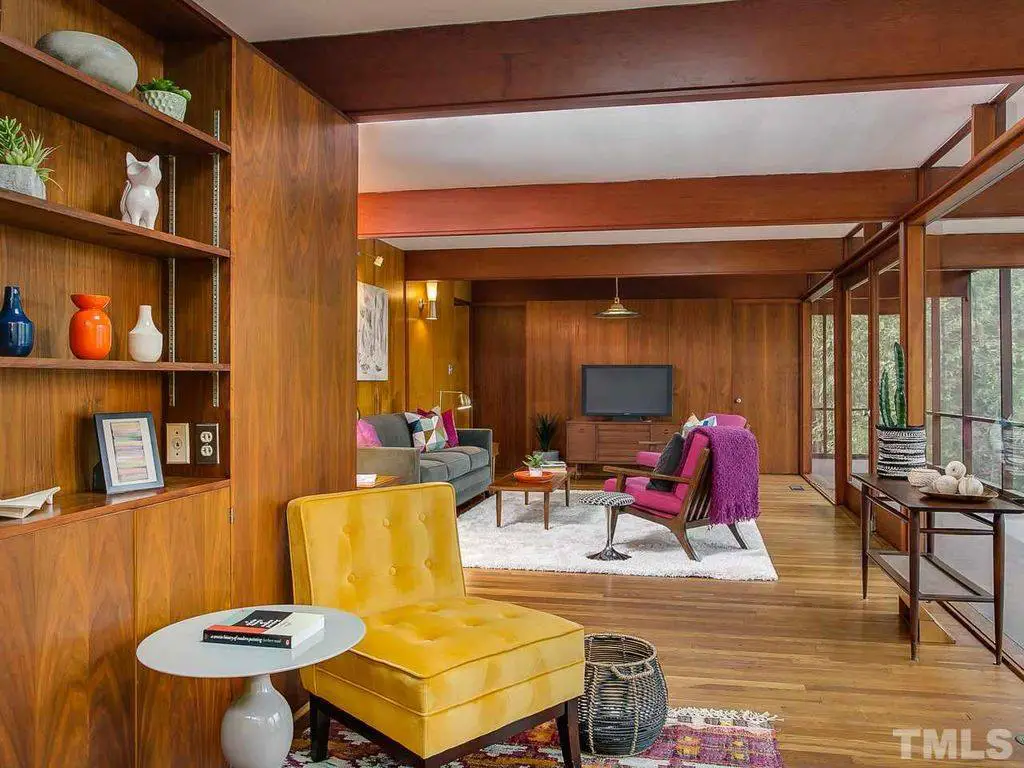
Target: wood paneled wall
{"type": "Point", "coordinates": [438, 350]}
{"type": "Point", "coordinates": [721, 350]}
{"type": "Point", "coordinates": [294, 288]}
{"type": "Point", "coordinates": [386, 396]}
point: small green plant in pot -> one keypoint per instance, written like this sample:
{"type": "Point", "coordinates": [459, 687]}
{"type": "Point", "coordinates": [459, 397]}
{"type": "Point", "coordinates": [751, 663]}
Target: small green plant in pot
{"type": "Point", "coordinates": [901, 447]}
{"type": "Point", "coordinates": [545, 425]}
{"type": "Point", "coordinates": [534, 463]}
{"type": "Point", "coordinates": [164, 95]}
{"type": "Point", "coordinates": [22, 159]}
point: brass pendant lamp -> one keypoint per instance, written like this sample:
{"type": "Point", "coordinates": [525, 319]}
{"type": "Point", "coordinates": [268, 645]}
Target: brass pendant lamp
{"type": "Point", "coordinates": [617, 311]}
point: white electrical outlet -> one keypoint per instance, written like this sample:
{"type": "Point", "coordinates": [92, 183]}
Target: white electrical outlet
{"type": "Point", "coordinates": [178, 445]}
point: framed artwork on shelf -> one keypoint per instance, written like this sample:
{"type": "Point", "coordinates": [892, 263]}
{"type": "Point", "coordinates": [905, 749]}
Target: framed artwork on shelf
{"type": "Point", "coordinates": [372, 334]}
{"type": "Point", "coordinates": [128, 452]}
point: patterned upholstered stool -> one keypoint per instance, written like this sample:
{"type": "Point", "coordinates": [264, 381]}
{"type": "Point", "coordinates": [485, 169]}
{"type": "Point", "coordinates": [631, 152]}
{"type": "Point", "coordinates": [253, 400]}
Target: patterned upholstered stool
{"type": "Point", "coordinates": [609, 501]}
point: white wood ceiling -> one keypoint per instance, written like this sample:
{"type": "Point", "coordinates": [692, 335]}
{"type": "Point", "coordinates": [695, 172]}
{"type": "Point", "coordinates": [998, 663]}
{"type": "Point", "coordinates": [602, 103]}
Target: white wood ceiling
{"type": "Point", "coordinates": [280, 19]}
{"type": "Point", "coordinates": [803, 134]}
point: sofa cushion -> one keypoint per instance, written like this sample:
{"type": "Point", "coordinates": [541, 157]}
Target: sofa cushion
{"type": "Point", "coordinates": [458, 463]}
{"type": "Point", "coordinates": [432, 471]}
{"type": "Point", "coordinates": [392, 429]}
{"type": "Point", "coordinates": [428, 657]}
{"type": "Point", "coordinates": [478, 457]}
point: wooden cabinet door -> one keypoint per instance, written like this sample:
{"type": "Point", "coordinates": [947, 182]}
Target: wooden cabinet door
{"type": "Point", "coordinates": [581, 442]}
{"type": "Point", "coordinates": [766, 379]}
{"type": "Point", "coordinates": [183, 568]}
{"type": "Point", "coordinates": [67, 651]}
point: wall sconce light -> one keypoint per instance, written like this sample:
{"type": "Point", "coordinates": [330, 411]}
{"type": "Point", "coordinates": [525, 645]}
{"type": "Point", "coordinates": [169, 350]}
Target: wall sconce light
{"type": "Point", "coordinates": [431, 302]}
{"type": "Point", "coordinates": [378, 261]}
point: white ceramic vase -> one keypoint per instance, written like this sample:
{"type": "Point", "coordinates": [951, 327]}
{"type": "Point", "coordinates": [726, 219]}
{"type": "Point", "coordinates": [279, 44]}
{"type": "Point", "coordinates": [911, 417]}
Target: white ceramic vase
{"type": "Point", "coordinates": [536, 472]}
{"type": "Point", "coordinates": [145, 342]}
{"type": "Point", "coordinates": [23, 179]}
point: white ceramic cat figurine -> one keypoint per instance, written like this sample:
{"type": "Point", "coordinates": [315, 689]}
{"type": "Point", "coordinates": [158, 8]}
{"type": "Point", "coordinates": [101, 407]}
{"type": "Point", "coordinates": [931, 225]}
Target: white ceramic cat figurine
{"type": "Point", "coordinates": [139, 202]}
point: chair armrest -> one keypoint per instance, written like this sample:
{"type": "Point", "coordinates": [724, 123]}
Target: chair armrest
{"type": "Point", "coordinates": [477, 438]}
{"type": "Point", "coordinates": [650, 475]}
{"type": "Point", "coordinates": [401, 462]}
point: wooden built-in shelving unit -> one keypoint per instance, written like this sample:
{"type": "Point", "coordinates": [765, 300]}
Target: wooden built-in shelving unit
{"type": "Point", "coordinates": [87, 227]}
{"type": "Point", "coordinates": [74, 364]}
{"type": "Point", "coordinates": [34, 76]}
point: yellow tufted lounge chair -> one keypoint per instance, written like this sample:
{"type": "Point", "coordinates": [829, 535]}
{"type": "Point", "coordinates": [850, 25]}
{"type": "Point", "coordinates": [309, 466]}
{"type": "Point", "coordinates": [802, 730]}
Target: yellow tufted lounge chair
{"type": "Point", "coordinates": [439, 674]}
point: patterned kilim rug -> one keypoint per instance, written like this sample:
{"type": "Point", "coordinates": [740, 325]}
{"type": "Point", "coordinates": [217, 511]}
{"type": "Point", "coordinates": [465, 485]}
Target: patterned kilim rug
{"type": "Point", "coordinates": [692, 738]}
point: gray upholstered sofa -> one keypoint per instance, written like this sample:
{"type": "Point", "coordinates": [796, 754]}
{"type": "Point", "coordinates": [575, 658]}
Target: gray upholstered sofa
{"type": "Point", "coordinates": [467, 467]}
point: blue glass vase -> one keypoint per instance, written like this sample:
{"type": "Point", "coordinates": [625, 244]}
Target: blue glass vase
{"type": "Point", "coordinates": [17, 332]}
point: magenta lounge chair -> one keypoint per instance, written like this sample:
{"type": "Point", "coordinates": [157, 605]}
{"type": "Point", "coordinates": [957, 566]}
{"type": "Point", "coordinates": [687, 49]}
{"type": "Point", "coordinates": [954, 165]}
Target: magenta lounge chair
{"type": "Point", "coordinates": [686, 506]}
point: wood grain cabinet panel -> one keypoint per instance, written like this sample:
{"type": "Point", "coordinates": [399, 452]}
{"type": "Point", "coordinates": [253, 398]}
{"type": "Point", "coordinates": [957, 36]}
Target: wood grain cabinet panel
{"type": "Point", "coordinates": [620, 442]}
{"type": "Point", "coordinates": [67, 650]}
{"type": "Point", "coordinates": [183, 569]}
{"type": "Point", "coordinates": [581, 441]}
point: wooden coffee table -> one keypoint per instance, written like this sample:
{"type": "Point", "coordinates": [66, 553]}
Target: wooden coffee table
{"type": "Point", "coordinates": [510, 483]}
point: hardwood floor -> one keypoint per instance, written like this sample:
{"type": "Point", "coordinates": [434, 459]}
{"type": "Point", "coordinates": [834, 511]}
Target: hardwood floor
{"type": "Point", "coordinates": [834, 668]}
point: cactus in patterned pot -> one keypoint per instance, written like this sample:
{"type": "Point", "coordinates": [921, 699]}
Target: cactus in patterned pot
{"type": "Point", "coordinates": [901, 448]}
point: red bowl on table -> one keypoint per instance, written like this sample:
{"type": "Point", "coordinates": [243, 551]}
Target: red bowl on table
{"type": "Point", "coordinates": [524, 476]}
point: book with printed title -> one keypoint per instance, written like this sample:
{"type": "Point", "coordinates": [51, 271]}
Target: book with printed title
{"type": "Point", "coordinates": [267, 629]}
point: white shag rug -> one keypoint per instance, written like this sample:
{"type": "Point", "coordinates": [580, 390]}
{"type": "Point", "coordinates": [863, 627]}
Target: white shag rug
{"type": "Point", "coordinates": [522, 544]}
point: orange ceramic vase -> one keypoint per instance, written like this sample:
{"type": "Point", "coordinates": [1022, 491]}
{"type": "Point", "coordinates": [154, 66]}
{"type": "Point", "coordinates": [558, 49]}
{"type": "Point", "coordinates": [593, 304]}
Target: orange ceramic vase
{"type": "Point", "coordinates": [90, 335]}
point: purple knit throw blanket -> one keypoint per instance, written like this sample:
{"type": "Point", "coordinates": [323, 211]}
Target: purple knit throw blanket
{"type": "Point", "coordinates": [734, 473]}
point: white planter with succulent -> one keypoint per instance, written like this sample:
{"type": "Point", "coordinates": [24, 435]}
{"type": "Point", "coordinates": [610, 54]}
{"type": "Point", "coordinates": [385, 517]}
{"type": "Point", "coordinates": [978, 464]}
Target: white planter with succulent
{"type": "Point", "coordinates": [21, 160]}
{"type": "Point", "coordinates": [533, 464]}
{"type": "Point", "coordinates": [163, 95]}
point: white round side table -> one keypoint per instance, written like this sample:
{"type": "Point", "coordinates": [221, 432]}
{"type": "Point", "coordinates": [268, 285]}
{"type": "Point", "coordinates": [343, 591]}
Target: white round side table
{"type": "Point", "coordinates": [256, 731]}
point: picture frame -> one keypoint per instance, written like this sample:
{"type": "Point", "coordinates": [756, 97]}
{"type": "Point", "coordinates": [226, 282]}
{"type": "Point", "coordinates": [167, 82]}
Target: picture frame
{"type": "Point", "coordinates": [129, 453]}
{"type": "Point", "coordinates": [372, 333]}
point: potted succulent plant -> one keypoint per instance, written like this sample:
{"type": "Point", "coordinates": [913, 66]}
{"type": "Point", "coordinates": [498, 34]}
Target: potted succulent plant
{"type": "Point", "coordinates": [901, 448]}
{"type": "Point", "coordinates": [21, 160]}
{"type": "Point", "coordinates": [534, 463]}
{"type": "Point", "coordinates": [164, 95]}
{"type": "Point", "coordinates": [545, 425]}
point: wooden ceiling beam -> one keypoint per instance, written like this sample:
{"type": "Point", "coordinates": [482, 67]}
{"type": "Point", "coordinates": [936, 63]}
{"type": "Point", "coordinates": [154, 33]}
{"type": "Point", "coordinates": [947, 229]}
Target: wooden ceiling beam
{"type": "Point", "coordinates": [514, 292]}
{"type": "Point", "coordinates": [775, 257]}
{"type": "Point", "coordinates": [723, 201]}
{"type": "Point", "coordinates": [698, 52]}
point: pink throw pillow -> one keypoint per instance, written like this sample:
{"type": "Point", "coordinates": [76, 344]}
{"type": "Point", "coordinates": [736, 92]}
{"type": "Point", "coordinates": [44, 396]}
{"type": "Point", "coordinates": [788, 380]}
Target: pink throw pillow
{"type": "Point", "coordinates": [366, 435]}
{"type": "Point", "coordinates": [448, 419]}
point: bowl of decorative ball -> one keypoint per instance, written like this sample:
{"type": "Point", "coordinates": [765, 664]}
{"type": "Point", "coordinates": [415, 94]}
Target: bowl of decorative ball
{"type": "Point", "coordinates": [625, 700]}
{"type": "Point", "coordinates": [957, 485]}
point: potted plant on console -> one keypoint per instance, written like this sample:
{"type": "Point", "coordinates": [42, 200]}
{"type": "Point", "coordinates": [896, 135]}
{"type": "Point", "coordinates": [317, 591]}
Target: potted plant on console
{"type": "Point", "coordinates": [545, 426]}
{"type": "Point", "coordinates": [901, 448]}
{"type": "Point", "coordinates": [21, 160]}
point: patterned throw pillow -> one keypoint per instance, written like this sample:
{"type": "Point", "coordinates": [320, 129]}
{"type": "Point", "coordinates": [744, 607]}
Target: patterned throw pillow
{"type": "Point", "coordinates": [448, 420]}
{"type": "Point", "coordinates": [428, 433]}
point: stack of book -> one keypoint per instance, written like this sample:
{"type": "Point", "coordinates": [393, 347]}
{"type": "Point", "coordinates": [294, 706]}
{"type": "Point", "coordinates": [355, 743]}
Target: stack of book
{"type": "Point", "coordinates": [556, 465]}
{"type": "Point", "coordinates": [267, 629]}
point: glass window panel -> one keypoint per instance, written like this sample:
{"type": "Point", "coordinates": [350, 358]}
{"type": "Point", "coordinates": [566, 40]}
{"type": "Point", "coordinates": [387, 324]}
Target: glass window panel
{"type": "Point", "coordinates": [986, 452]}
{"type": "Point", "coordinates": [952, 441]}
{"type": "Point", "coordinates": [985, 356]}
{"type": "Point", "coordinates": [822, 395]}
{"type": "Point", "coordinates": [860, 399]}
{"type": "Point", "coordinates": [951, 354]}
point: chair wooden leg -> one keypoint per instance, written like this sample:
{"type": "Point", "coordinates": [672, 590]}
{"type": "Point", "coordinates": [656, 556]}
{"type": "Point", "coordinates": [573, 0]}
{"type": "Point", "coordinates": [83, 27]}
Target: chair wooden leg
{"type": "Point", "coordinates": [319, 730]}
{"type": "Point", "coordinates": [569, 735]}
{"type": "Point", "coordinates": [684, 542]}
{"type": "Point", "coordinates": [736, 533]}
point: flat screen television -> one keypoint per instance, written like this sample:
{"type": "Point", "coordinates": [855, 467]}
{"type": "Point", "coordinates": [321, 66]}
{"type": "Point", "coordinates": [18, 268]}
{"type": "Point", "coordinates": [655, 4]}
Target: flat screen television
{"type": "Point", "coordinates": [627, 391]}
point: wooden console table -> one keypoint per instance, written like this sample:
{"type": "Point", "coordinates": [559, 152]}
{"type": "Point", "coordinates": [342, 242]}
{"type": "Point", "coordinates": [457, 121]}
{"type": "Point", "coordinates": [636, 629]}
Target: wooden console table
{"type": "Point", "coordinates": [614, 442]}
{"type": "Point", "coordinates": [922, 575]}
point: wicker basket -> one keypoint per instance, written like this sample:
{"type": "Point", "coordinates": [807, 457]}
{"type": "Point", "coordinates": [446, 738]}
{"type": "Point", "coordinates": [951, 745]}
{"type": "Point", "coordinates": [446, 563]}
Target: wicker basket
{"type": "Point", "coordinates": [624, 702]}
